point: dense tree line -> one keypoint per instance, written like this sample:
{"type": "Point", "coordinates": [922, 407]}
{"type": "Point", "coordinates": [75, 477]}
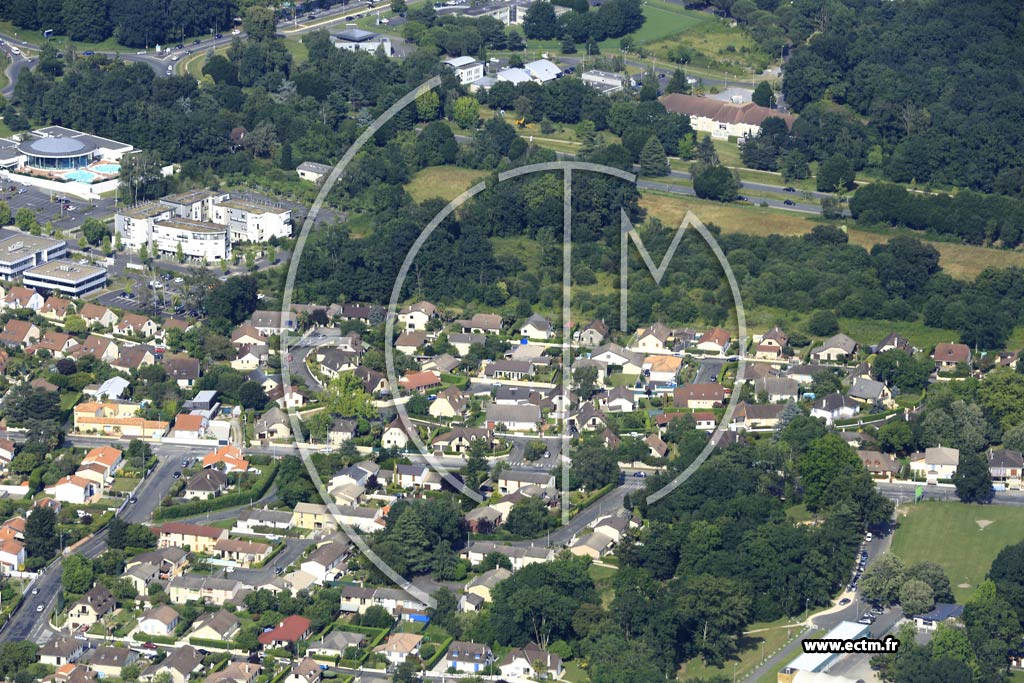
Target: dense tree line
{"type": "Point", "coordinates": [938, 83]}
{"type": "Point", "coordinates": [134, 23]}
{"type": "Point", "coordinates": [974, 218]}
{"type": "Point", "coordinates": [612, 19]}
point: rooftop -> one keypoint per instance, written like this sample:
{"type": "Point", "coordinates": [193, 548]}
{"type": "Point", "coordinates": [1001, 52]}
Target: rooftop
{"type": "Point", "coordinates": [66, 270]}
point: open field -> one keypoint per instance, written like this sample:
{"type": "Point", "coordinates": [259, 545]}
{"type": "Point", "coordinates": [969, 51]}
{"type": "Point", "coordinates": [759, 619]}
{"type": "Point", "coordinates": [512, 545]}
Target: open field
{"type": "Point", "coordinates": [446, 182]}
{"type": "Point", "coordinates": [959, 260]}
{"type": "Point", "coordinates": [950, 534]}
{"type": "Point", "coordinates": [716, 48]}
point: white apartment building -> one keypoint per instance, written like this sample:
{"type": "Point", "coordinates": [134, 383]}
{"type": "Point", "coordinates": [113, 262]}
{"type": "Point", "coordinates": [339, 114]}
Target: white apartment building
{"type": "Point", "coordinates": [466, 68]}
{"type": "Point", "coordinates": [252, 221]}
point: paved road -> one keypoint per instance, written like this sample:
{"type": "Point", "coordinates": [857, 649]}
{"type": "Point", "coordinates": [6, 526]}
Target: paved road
{"type": "Point", "coordinates": [258, 577]}
{"type": "Point", "coordinates": [708, 371]}
{"type": "Point", "coordinates": [904, 493]}
{"type": "Point", "coordinates": [27, 623]}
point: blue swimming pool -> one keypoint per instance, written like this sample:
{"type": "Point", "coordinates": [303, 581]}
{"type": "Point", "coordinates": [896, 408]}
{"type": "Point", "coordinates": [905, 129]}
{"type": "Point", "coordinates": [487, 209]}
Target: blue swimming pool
{"type": "Point", "coordinates": [81, 176]}
{"type": "Point", "coordinates": [107, 168]}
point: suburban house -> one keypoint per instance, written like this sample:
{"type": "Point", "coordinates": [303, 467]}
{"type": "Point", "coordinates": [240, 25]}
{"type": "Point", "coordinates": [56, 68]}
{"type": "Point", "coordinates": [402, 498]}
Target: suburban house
{"type": "Point", "coordinates": [417, 477]}
{"type": "Point", "coordinates": [715, 340]}
{"type": "Point", "coordinates": [100, 348]}
{"type": "Point", "coordinates": [312, 516]}
{"type": "Point", "coordinates": [268, 323]}
{"type": "Point", "coordinates": [180, 664]}
{"type": "Point", "coordinates": [836, 349]}
{"type": "Point", "coordinates": [326, 562]}
{"type": "Point", "coordinates": [396, 434]}
{"type": "Point", "coordinates": [619, 400]}
{"type": "Point", "coordinates": [587, 419]}
{"type": "Point", "coordinates": [772, 345]}
{"type": "Point", "coordinates": [400, 646]}
{"type": "Point", "coordinates": [937, 462]}
{"type": "Point", "coordinates": [73, 489]}
{"type": "Point", "coordinates": [777, 389]}
{"type": "Point", "coordinates": [832, 407]}
{"type": "Point", "coordinates": [206, 483]}
{"type": "Point", "coordinates": [107, 660]}
{"type": "Point", "coordinates": [19, 333]}
{"type": "Point", "coordinates": [90, 608]}
{"type": "Point", "coordinates": [652, 338]}
{"type": "Point", "coordinates": [615, 355]}
{"type": "Point", "coordinates": [420, 380]}
{"type": "Point", "coordinates": [98, 316]}
{"type": "Point", "coordinates": [306, 670]}
{"type": "Point", "coordinates": [336, 643]}
{"type": "Point", "coordinates": [537, 327]}
{"type": "Point", "coordinates": [510, 481]}
{"type": "Point", "coordinates": [463, 341]}
{"type": "Point", "coordinates": [227, 458]}
{"type": "Point", "coordinates": [515, 418]}
{"type": "Point", "coordinates": [220, 625]}
{"type": "Point", "coordinates": [948, 356]}
{"type": "Point", "coordinates": [468, 658]}
{"type": "Point", "coordinates": [593, 545]}
{"type": "Point", "coordinates": [416, 316]}
{"type": "Point", "coordinates": [291, 630]}
{"type": "Point", "coordinates": [870, 391]}
{"type": "Point", "coordinates": [407, 342]}
{"type": "Point", "coordinates": [481, 323]}
{"type": "Point", "coordinates": [158, 621]}
{"type": "Point", "coordinates": [115, 419]}
{"type": "Point", "coordinates": [520, 661]}
{"type": "Point", "coordinates": [755, 417]}
{"type": "Point", "coordinates": [940, 614]}
{"type": "Point", "coordinates": [61, 650]}
{"type": "Point", "coordinates": [1005, 466]}
{"type": "Point", "coordinates": [133, 324]}
{"type": "Point", "coordinates": [449, 403]}
{"type": "Point", "coordinates": [593, 334]}
{"type": "Point", "coordinates": [662, 369]}
{"type": "Point", "coordinates": [211, 590]}
{"type": "Point", "coordinates": [483, 584]}
{"type": "Point", "coordinates": [273, 424]}
{"type": "Point", "coordinates": [879, 464]}
{"type": "Point", "coordinates": [894, 342]}
{"type": "Point", "coordinates": [12, 556]}
{"type": "Point", "coordinates": [188, 426]}
{"type": "Point", "coordinates": [242, 553]}
{"type": "Point", "coordinates": [459, 439]}
{"type": "Point", "coordinates": [698, 396]}
{"type": "Point", "coordinates": [23, 297]}
{"type": "Point", "coordinates": [195, 537]}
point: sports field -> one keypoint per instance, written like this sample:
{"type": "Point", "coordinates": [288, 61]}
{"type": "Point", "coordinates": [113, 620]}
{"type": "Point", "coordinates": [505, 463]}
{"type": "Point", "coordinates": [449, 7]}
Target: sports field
{"type": "Point", "coordinates": [963, 539]}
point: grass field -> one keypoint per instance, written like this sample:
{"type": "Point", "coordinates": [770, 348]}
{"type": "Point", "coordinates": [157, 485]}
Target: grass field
{"type": "Point", "coordinates": [951, 535]}
{"type": "Point", "coordinates": [446, 182]}
{"type": "Point", "coordinates": [959, 260]}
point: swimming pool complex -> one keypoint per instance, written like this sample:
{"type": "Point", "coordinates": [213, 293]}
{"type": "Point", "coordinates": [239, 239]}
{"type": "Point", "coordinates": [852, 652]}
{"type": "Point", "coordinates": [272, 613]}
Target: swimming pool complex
{"type": "Point", "coordinates": [81, 176]}
{"type": "Point", "coordinates": [112, 169]}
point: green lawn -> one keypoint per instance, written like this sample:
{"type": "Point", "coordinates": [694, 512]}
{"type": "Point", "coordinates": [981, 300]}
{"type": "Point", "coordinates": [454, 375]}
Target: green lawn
{"type": "Point", "coordinates": [446, 182]}
{"type": "Point", "coordinates": [574, 674]}
{"type": "Point", "coordinates": [952, 535]}
{"type": "Point", "coordinates": [662, 21]}
{"type": "Point", "coordinates": [597, 572]}
{"type": "Point", "coordinates": [125, 484]}
{"type": "Point", "coordinates": [69, 399]}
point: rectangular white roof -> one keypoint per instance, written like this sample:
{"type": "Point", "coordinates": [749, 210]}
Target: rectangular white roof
{"type": "Point", "coordinates": [817, 661]}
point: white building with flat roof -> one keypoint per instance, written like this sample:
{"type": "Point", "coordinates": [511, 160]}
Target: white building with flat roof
{"type": "Point", "coordinates": [67, 277]}
{"type": "Point", "coordinates": [466, 68]}
{"type": "Point", "coordinates": [21, 252]}
{"type": "Point", "coordinates": [199, 241]}
{"type": "Point", "coordinates": [604, 81]}
{"type": "Point", "coordinates": [250, 221]}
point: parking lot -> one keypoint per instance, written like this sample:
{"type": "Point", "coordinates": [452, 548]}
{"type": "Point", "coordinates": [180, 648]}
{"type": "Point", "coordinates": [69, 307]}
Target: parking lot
{"type": "Point", "coordinates": [48, 209]}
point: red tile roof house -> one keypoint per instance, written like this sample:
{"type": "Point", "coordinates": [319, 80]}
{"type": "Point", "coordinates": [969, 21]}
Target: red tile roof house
{"type": "Point", "coordinates": [290, 631]}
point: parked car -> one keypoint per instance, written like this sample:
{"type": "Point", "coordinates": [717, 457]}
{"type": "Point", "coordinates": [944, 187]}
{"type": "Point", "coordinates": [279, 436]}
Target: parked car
{"type": "Point", "coordinates": [218, 36]}
{"type": "Point", "coordinates": [149, 646]}
{"type": "Point", "coordinates": [88, 53]}
{"type": "Point", "coordinates": [844, 601]}
{"type": "Point", "coordinates": [196, 41]}
{"type": "Point", "coordinates": [789, 202]}
{"type": "Point", "coordinates": [789, 189]}
{"type": "Point", "coordinates": [235, 32]}
{"type": "Point", "coordinates": [177, 475]}
{"type": "Point", "coordinates": [179, 46]}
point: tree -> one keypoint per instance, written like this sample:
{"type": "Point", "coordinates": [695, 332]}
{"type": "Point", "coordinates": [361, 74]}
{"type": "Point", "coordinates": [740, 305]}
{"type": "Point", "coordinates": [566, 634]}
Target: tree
{"type": "Point", "coordinates": [677, 82]}
{"type": "Point", "coordinates": [529, 518]}
{"type": "Point", "coordinates": [76, 574]}
{"type": "Point", "coordinates": [466, 111]}
{"type": "Point", "coordinates": [594, 466]}
{"type": "Point", "coordinates": [540, 22]}
{"type": "Point", "coordinates": [972, 479]}
{"type": "Point", "coordinates": [94, 231]}
{"type": "Point", "coordinates": [5, 214]}
{"type": "Point", "coordinates": [427, 106]}
{"type": "Point", "coordinates": [714, 182]}
{"type": "Point", "coordinates": [933, 575]}
{"type": "Point", "coordinates": [585, 379]}
{"type": "Point", "coordinates": [259, 23]}
{"type": "Point", "coordinates": [835, 174]}
{"type": "Point", "coordinates": [345, 396]}
{"type": "Point", "coordinates": [25, 219]}
{"type": "Point", "coordinates": [117, 533]}
{"type": "Point", "coordinates": [717, 608]}
{"type": "Point", "coordinates": [794, 166]}
{"type": "Point", "coordinates": [895, 436]}
{"type": "Point", "coordinates": [252, 396]}
{"type": "Point", "coordinates": [398, 6]}
{"type": "Point", "coordinates": [916, 597]}
{"type": "Point", "coordinates": [883, 579]}
{"type": "Point", "coordinates": [822, 323]}
{"type": "Point", "coordinates": [85, 20]}
{"type": "Point", "coordinates": [41, 533]}
{"type": "Point", "coordinates": [653, 161]}
{"type": "Point", "coordinates": [763, 94]}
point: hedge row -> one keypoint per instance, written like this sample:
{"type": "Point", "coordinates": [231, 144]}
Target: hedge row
{"type": "Point", "coordinates": [237, 498]}
{"type": "Point", "coordinates": [206, 642]}
{"type": "Point", "coordinates": [160, 640]}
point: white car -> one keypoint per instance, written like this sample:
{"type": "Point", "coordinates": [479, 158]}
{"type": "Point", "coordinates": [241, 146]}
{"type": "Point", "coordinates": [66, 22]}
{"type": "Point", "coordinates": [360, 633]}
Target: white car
{"type": "Point", "coordinates": [235, 32]}
{"type": "Point", "coordinates": [174, 58]}
{"type": "Point", "coordinates": [179, 279]}
{"type": "Point", "coordinates": [40, 608]}
{"type": "Point", "coordinates": [15, 51]}
{"type": "Point", "coordinates": [229, 570]}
